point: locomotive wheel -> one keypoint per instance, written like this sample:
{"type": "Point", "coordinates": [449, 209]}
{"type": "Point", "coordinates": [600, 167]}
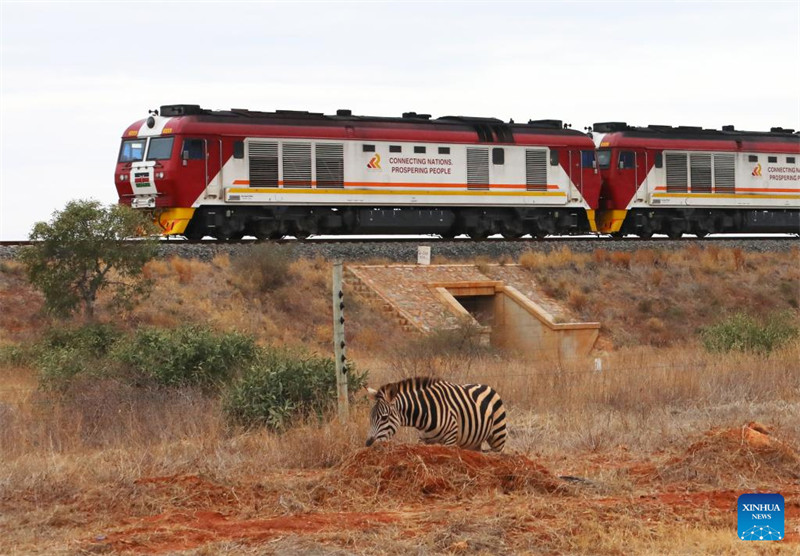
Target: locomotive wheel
{"type": "Point", "coordinates": [264, 229]}
{"type": "Point", "coordinates": [194, 235]}
{"type": "Point", "coordinates": [645, 234]}
{"type": "Point", "coordinates": [233, 236]}
{"type": "Point", "coordinates": [479, 230]}
{"type": "Point", "coordinates": [227, 232]}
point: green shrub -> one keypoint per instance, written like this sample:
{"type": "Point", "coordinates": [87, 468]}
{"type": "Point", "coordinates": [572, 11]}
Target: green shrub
{"type": "Point", "coordinates": [66, 352]}
{"type": "Point", "coordinates": [741, 332]}
{"type": "Point", "coordinates": [58, 367]}
{"type": "Point", "coordinates": [93, 339]}
{"type": "Point", "coordinates": [187, 356]}
{"type": "Point", "coordinates": [17, 354]}
{"type": "Point", "coordinates": [283, 387]}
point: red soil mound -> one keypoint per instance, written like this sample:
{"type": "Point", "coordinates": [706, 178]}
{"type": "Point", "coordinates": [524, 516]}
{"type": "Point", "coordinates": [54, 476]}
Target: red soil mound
{"type": "Point", "coordinates": [412, 471]}
{"type": "Point", "coordinates": [743, 455]}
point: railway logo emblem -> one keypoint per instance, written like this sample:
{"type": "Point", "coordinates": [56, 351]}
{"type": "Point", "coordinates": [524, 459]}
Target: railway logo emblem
{"type": "Point", "coordinates": [760, 517]}
{"type": "Point", "coordinates": [374, 162]}
{"type": "Point", "coordinates": [757, 170]}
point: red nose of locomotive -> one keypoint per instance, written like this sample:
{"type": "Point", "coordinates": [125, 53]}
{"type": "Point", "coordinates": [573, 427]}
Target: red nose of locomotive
{"type": "Point", "coordinates": [148, 171]}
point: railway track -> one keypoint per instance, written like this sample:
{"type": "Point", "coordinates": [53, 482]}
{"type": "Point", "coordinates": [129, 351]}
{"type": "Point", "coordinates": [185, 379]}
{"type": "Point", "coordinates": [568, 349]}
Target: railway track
{"type": "Point", "coordinates": [404, 249]}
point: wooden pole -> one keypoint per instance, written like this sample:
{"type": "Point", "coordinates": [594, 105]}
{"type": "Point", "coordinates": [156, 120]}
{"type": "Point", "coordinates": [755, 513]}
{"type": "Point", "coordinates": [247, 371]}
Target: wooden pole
{"type": "Point", "coordinates": [338, 342]}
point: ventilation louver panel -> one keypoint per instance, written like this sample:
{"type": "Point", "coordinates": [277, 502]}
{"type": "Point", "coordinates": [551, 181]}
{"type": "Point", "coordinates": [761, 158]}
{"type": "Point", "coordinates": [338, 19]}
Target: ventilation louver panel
{"type": "Point", "coordinates": [263, 163]}
{"type": "Point", "coordinates": [330, 165]}
{"type": "Point", "coordinates": [677, 174]}
{"type": "Point", "coordinates": [724, 173]}
{"type": "Point", "coordinates": [297, 164]}
{"type": "Point", "coordinates": [478, 169]}
{"type": "Point", "coordinates": [700, 166]}
{"type": "Point", "coordinates": [535, 170]}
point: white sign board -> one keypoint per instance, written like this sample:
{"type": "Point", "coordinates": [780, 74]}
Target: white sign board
{"type": "Point", "coordinates": [424, 254]}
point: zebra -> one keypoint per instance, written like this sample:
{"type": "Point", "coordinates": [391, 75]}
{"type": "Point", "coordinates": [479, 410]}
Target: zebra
{"type": "Point", "coordinates": [444, 413]}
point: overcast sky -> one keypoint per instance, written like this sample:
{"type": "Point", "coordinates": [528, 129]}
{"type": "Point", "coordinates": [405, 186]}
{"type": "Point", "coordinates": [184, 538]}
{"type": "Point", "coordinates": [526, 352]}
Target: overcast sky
{"type": "Point", "coordinates": [75, 75]}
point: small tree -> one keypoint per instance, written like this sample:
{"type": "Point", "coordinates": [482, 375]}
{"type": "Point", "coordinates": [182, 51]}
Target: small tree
{"type": "Point", "coordinates": [75, 252]}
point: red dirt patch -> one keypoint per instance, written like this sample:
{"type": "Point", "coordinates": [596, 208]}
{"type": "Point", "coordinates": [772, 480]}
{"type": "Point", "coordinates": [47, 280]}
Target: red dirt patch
{"type": "Point", "coordinates": [417, 490]}
{"type": "Point", "coordinates": [414, 471]}
{"type": "Point", "coordinates": [175, 531]}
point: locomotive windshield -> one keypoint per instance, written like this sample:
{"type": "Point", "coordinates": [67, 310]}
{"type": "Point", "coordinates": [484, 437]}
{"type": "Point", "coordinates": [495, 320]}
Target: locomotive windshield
{"type": "Point", "coordinates": [132, 150]}
{"type": "Point", "coordinates": [604, 158]}
{"type": "Point", "coordinates": [160, 148]}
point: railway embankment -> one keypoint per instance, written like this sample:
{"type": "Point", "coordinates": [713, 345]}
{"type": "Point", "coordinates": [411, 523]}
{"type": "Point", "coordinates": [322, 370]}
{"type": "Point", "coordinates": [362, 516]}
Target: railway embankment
{"type": "Point", "coordinates": [405, 250]}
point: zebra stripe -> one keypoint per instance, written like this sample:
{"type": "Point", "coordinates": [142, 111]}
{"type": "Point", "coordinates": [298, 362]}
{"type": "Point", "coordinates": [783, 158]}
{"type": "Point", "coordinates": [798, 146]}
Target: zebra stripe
{"type": "Point", "coordinates": [451, 414]}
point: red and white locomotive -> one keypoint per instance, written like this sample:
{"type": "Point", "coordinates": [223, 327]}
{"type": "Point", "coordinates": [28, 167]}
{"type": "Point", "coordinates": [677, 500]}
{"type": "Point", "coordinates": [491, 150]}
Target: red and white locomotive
{"type": "Point", "coordinates": [232, 173]}
{"type": "Point", "coordinates": [676, 180]}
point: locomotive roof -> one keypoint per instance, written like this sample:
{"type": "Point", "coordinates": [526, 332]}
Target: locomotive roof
{"type": "Point", "coordinates": [486, 128]}
{"type": "Point", "coordinates": [666, 132]}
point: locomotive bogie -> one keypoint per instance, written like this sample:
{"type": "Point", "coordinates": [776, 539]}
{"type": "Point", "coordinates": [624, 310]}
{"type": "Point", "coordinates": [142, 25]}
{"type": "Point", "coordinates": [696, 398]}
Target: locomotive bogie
{"type": "Point", "coordinates": [644, 222]}
{"type": "Point", "coordinates": [227, 223]}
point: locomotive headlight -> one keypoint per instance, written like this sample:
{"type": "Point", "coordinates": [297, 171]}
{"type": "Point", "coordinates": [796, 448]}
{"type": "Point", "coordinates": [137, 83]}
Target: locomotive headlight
{"type": "Point", "coordinates": [123, 177]}
{"type": "Point", "coordinates": [160, 175]}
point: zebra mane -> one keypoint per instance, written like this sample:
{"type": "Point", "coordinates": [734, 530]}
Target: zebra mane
{"type": "Point", "coordinates": [410, 384]}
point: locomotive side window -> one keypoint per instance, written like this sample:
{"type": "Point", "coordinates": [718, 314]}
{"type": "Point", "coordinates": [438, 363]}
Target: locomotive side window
{"type": "Point", "coordinates": [368, 148]}
{"type": "Point", "coordinates": [627, 160]}
{"type": "Point", "coordinates": [498, 156]}
{"type": "Point", "coordinates": [659, 160]}
{"type": "Point", "coordinates": [160, 148]}
{"type": "Point", "coordinates": [395, 148]}
{"type": "Point", "coordinates": [419, 150]}
{"type": "Point", "coordinates": [772, 159]}
{"type": "Point", "coordinates": [444, 150]}
{"type": "Point", "coordinates": [604, 158]}
{"type": "Point", "coordinates": [790, 160]}
{"type": "Point", "coordinates": [553, 158]}
{"type": "Point", "coordinates": [238, 149]}
{"type": "Point", "coordinates": [587, 159]}
{"type": "Point", "coordinates": [193, 149]}
{"type": "Point", "coordinates": [752, 158]}
{"type": "Point", "coordinates": [132, 150]}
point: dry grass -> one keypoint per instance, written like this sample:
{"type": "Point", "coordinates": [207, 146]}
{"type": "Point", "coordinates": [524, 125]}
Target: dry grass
{"type": "Point", "coordinates": [683, 289]}
{"type": "Point", "coordinates": [657, 433]}
{"type": "Point", "coordinates": [633, 429]}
